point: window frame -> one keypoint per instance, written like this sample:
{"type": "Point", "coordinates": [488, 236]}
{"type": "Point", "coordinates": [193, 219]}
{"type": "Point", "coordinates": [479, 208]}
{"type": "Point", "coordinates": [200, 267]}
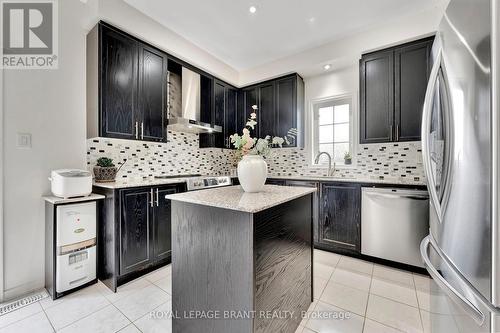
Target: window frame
{"type": "Point", "coordinates": [332, 101]}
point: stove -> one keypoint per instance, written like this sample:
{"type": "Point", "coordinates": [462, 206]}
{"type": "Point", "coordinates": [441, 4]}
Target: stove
{"type": "Point", "coordinates": [200, 183]}
{"type": "Point", "coordinates": [176, 176]}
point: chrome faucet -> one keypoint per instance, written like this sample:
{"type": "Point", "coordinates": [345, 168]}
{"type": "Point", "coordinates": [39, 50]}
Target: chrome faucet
{"type": "Point", "coordinates": [330, 170]}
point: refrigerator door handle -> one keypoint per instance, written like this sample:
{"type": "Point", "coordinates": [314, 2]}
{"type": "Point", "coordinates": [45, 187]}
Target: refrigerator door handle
{"type": "Point", "coordinates": [426, 124]}
{"type": "Point", "coordinates": [458, 298]}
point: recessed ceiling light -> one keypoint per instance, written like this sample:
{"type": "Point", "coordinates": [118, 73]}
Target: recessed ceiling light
{"type": "Point", "coordinates": [327, 67]}
{"type": "Point", "coordinates": [252, 9]}
{"type": "Point", "coordinates": [312, 19]}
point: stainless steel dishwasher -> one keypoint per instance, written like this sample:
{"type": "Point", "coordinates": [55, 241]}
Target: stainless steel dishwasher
{"type": "Point", "coordinates": [393, 223]}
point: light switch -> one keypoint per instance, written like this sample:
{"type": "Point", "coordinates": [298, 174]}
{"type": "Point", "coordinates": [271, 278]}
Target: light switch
{"type": "Point", "coordinates": [24, 140]}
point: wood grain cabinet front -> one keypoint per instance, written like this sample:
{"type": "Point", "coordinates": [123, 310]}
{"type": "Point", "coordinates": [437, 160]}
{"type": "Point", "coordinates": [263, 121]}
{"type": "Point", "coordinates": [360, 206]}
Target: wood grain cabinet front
{"type": "Point", "coordinates": [126, 86]}
{"type": "Point", "coordinates": [392, 90]}
{"type": "Point", "coordinates": [135, 232]}
{"type": "Point", "coordinates": [340, 217]}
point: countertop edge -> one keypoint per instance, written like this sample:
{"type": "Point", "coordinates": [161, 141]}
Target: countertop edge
{"type": "Point", "coordinates": [180, 197]}
{"type": "Point", "coordinates": [58, 200]}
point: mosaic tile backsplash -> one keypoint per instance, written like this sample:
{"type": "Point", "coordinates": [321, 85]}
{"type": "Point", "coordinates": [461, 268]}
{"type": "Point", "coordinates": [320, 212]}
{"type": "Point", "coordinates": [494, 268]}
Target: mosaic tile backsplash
{"type": "Point", "coordinates": [181, 155]}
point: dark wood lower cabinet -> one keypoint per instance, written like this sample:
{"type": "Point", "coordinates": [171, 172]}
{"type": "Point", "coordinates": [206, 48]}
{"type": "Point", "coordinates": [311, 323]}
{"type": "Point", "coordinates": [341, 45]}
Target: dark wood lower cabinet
{"type": "Point", "coordinates": [340, 217]}
{"type": "Point", "coordinates": [134, 232]}
{"type": "Point", "coordinates": [162, 226]}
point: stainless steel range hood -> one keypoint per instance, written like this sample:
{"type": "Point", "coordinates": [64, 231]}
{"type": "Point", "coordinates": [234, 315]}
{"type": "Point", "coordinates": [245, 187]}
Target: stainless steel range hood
{"type": "Point", "coordinates": [184, 103]}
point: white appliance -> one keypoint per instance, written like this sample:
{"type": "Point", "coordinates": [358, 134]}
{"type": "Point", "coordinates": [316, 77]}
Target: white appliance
{"type": "Point", "coordinates": [67, 183]}
{"type": "Point", "coordinates": [75, 245]}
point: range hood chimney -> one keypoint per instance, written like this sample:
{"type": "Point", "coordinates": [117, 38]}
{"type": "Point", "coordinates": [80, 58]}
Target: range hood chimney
{"type": "Point", "coordinates": [184, 103]}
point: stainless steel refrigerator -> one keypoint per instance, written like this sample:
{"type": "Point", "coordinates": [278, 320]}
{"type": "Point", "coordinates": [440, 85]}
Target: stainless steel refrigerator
{"type": "Point", "coordinates": [460, 153]}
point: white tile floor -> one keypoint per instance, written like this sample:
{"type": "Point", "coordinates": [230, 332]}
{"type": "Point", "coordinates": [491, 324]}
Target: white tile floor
{"type": "Point", "coordinates": [380, 299]}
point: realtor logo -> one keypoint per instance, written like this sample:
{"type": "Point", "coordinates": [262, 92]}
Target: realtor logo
{"type": "Point", "coordinates": [29, 34]}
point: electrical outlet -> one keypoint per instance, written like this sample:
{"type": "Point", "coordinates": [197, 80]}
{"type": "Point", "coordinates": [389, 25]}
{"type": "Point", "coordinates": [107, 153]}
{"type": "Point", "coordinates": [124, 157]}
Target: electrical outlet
{"type": "Point", "coordinates": [24, 140]}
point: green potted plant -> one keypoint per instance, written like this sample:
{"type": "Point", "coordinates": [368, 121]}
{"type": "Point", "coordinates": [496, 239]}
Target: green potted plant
{"type": "Point", "coordinates": [105, 170]}
{"type": "Point", "coordinates": [347, 158]}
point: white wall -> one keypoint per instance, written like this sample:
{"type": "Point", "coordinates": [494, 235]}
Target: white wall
{"type": "Point", "coordinates": [339, 82]}
{"type": "Point", "coordinates": [49, 104]}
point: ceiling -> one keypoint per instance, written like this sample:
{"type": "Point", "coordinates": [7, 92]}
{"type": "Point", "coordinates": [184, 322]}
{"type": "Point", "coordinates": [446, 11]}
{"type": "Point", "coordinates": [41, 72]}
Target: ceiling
{"type": "Point", "coordinates": [279, 28]}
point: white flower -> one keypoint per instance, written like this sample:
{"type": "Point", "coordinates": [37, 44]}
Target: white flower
{"type": "Point", "coordinates": [253, 115]}
{"type": "Point", "coordinates": [278, 141]}
{"type": "Point", "coordinates": [251, 123]}
{"type": "Point", "coordinates": [254, 107]}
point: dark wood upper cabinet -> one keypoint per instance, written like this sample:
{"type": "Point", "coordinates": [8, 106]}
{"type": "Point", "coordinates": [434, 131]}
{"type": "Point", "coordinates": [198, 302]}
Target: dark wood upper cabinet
{"type": "Point", "coordinates": [126, 86]}
{"type": "Point", "coordinates": [250, 97]}
{"type": "Point", "coordinates": [266, 115]}
{"type": "Point", "coordinates": [224, 114]}
{"type": "Point", "coordinates": [377, 97]}
{"type": "Point", "coordinates": [152, 93]}
{"type": "Point", "coordinates": [412, 70]}
{"type": "Point", "coordinates": [392, 90]}
{"type": "Point", "coordinates": [127, 95]}
{"type": "Point", "coordinates": [118, 85]}
{"type": "Point", "coordinates": [340, 217]}
{"type": "Point", "coordinates": [290, 109]}
{"type": "Point", "coordinates": [281, 108]}
{"type": "Point", "coordinates": [230, 116]}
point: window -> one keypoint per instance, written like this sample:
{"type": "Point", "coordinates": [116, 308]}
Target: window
{"type": "Point", "coordinates": [333, 129]}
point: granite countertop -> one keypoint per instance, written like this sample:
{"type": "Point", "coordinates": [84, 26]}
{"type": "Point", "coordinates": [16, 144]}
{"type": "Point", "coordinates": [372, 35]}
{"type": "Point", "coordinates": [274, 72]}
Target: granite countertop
{"type": "Point", "coordinates": [137, 182]}
{"type": "Point", "coordinates": [368, 180]}
{"type": "Point", "coordinates": [234, 198]}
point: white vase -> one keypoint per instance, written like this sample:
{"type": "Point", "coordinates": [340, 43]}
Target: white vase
{"type": "Point", "coordinates": [252, 173]}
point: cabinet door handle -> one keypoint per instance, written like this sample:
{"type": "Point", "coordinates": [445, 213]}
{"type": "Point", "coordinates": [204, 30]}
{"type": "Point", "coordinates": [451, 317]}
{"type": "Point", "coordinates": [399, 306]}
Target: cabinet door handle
{"type": "Point", "coordinates": [136, 130]}
{"type": "Point", "coordinates": [142, 130]}
{"type": "Point", "coordinates": [391, 133]}
{"type": "Point", "coordinates": [157, 199]}
{"type": "Point", "coordinates": [151, 202]}
{"type": "Point", "coordinates": [397, 132]}
{"type": "Point", "coordinates": [168, 95]}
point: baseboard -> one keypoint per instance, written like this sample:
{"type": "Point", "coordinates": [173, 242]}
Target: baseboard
{"type": "Point", "coordinates": [22, 290]}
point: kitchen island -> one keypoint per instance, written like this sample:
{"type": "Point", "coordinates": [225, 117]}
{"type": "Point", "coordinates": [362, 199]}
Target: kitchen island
{"type": "Point", "coordinates": [241, 262]}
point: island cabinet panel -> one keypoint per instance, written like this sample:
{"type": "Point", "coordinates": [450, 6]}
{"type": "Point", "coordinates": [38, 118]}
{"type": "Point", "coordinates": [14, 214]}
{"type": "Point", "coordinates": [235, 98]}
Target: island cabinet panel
{"type": "Point", "coordinates": [213, 270]}
{"type": "Point", "coordinates": [340, 217]}
{"type": "Point", "coordinates": [135, 230]}
{"type": "Point", "coordinates": [251, 262]}
{"type": "Point", "coordinates": [283, 272]}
